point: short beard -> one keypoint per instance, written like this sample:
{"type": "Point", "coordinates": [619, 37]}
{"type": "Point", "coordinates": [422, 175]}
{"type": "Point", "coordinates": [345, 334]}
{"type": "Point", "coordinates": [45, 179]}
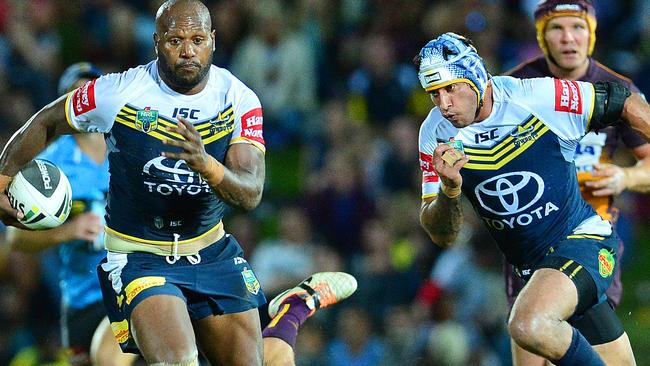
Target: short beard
{"type": "Point", "coordinates": [181, 83]}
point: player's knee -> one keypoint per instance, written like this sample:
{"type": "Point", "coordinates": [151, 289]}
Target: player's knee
{"type": "Point", "coordinates": [528, 329]}
{"type": "Point", "coordinates": [186, 359]}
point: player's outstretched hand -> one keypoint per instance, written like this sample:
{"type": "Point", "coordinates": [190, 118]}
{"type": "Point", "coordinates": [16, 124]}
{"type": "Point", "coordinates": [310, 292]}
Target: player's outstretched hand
{"type": "Point", "coordinates": [449, 173]}
{"type": "Point", "coordinates": [612, 180]}
{"type": "Point", "coordinates": [193, 151]}
{"type": "Point", "coordinates": [8, 214]}
{"type": "Point", "coordinates": [87, 226]}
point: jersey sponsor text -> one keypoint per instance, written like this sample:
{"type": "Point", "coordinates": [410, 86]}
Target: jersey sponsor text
{"type": "Point", "coordinates": [251, 123]}
{"type": "Point", "coordinates": [83, 98]}
{"type": "Point", "coordinates": [567, 96]}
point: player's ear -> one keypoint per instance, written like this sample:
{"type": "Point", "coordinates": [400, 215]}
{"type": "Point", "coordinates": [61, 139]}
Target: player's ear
{"type": "Point", "coordinates": [214, 40]}
{"type": "Point", "coordinates": [156, 39]}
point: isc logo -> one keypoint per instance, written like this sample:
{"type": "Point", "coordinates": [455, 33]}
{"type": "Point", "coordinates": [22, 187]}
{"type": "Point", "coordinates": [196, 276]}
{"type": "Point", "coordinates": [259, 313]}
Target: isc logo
{"type": "Point", "coordinates": [185, 113]}
{"type": "Point", "coordinates": [485, 136]}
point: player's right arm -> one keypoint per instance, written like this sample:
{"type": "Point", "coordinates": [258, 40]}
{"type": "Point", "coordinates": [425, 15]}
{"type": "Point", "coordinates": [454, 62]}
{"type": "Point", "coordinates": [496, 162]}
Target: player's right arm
{"type": "Point", "coordinates": [90, 108]}
{"type": "Point", "coordinates": [41, 129]}
{"type": "Point", "coordinates": [32, 138]}
{"type": "Point", "coordinates": [441, 214]}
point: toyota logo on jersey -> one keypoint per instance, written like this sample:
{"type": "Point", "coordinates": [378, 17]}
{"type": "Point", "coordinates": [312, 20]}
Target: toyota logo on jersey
{"type": "Point", "coordinates": [510, 193]}
{"type": "Point", "coordinates": [172, 177]}
{"type": "Point", "coordinates": [514, 196]}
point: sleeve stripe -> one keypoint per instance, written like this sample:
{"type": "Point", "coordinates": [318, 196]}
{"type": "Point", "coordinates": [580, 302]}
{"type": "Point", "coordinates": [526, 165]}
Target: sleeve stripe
{"type": "Point", "coordinates": [244, 140]}
{"type": "Point", "coordinates": [67, 112]}
{"type": "Point", "coordinates": [593, 106]}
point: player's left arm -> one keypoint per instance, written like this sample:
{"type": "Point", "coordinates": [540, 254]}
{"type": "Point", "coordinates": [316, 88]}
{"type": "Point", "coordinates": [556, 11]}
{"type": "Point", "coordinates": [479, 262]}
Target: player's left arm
{"type": "Point", "coordinates": [239, 181]}
{"type": "Point", "coordinates": [613, 102]}
{"type": "Point", "coordinates": [243, 180]}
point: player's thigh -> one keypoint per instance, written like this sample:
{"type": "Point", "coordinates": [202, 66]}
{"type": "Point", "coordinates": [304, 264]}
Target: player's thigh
{"type": "Point", "coordinates": [231, 339]}
{"type": "Point", "coordinates": [521, 357]}
{"type": "Point", "coordinates": [549, 292]}
{"type": "Point", "coordinates": [104, 349]}
{"type": "Point", "coordinates": [162, 329]}
{"type": "Point", "coordinates": [617, 353]}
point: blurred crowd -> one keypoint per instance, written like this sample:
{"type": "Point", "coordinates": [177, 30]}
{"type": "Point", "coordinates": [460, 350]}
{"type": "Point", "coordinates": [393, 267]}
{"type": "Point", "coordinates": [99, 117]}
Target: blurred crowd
{"type": "Point", "coordinates": [342, 108]}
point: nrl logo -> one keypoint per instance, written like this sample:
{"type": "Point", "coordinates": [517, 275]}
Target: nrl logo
{"type": "Point", "coordinates": [252, 285]}
{"type": "Point", "coordinates": [146, 120]}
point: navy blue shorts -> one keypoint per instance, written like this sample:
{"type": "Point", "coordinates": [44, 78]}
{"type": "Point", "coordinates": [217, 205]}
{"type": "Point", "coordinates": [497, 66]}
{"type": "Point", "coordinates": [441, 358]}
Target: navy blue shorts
{"type": "Point", "coordinates": [580, 254]}
{"type": "Point", "coordinates": [223, 282]}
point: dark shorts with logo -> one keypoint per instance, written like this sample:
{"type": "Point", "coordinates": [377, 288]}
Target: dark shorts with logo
{"type": "Point", "coordinates": [514, 283]}
{"type": "Point", "coordinates": [590, 254]}
{"type": "Point", "coordinates": [223, 282]}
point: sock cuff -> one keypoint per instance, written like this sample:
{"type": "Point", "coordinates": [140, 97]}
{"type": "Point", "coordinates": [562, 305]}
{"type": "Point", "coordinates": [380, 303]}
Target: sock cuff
{"type": "Point", "coordinates": [573, 347]}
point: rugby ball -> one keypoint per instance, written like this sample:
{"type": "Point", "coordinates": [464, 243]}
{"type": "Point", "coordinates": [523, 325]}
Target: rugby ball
{"type": "Point", "coordinates": [42, 193]}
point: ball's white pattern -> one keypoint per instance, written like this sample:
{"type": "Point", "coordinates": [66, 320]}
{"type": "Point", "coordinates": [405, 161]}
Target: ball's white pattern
{"type": "Point", "coordinates": [42, 192]}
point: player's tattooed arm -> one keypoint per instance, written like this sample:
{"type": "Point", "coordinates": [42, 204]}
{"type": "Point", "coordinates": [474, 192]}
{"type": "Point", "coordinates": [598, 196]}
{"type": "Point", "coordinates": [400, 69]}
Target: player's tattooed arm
{"type": "Point", "coordinates": [243, 180]}
{"type": "Point", "coordinates": [442, 219]}
{"type": "Point", "coordinates": [40, 130]}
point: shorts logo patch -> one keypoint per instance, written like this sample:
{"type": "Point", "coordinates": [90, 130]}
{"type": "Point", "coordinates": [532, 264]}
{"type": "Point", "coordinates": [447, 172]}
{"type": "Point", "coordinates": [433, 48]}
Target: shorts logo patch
{"type": "Point", "coordinates": [567, 96]}
{"type": "Point", "coordinates": [251, 125]}
{"type": "Point", "coordinates": [606, 263]}
{"type": "Point", "coordinates": [146, 120]}
{"type": "Point", "coordinates": [252, 284]}
{"type": "Point", "coordinates": [121, 330]}
{"type": "Point", "coordinates": [140, 284]}
{"type": "Point", "coordinates": [83, 98]}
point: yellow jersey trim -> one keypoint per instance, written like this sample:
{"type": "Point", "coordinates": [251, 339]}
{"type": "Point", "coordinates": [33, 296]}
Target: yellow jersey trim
{"type": "Point", "coordinates": [238, 140]}
{"type": "Point", "coordinates": [593, 106]}
{"type": "Point", "coordinates": [225, 119]}
{"type": "Point", "coordinates": [586, 236]}
{"type": "Point", "coordinates": [67, 112]}
{"type": "Point", "coordinates": [502, 158]}
{"type": "Point", "coordinates": [504, 143]}
{"type": "Point", "coordinates": [162, 242]}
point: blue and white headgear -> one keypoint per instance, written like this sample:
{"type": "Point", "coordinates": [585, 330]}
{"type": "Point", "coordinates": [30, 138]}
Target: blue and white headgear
{"type": "Point", "coordinates": [451, 58]}
{"type": "Point", "coordinates": [75, 72]}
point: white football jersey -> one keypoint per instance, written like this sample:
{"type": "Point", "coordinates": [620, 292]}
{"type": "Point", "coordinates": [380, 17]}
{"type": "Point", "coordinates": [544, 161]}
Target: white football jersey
{"type": "Point", "coordinates": [152, 197]}
{"type": "Point", "coordinates": [521, 176]}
